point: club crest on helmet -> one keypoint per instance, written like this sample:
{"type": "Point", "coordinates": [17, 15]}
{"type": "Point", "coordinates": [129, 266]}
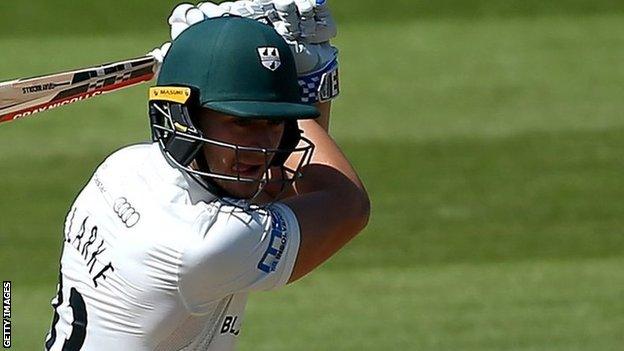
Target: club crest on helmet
{"type": "Point", "coordinates": [269, 56]}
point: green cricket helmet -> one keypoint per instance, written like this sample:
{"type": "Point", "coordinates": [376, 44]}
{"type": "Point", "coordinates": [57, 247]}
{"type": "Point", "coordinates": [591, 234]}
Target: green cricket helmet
{"type": "Point", "coordinates": [239, 67]}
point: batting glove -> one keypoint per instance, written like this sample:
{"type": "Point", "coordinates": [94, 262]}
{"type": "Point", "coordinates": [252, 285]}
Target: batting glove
{"type": "Point", "coordinates": [182, 17]}
{"type": "Point", "coordinates": [307, 26]}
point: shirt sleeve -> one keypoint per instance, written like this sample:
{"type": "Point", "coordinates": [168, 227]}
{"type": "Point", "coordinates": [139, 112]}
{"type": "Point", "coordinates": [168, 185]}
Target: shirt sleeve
{"type": "Point", "coordinates": [238, 251]}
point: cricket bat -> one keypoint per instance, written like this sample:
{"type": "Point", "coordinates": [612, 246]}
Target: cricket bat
{"type": "Point", "coordinates": [26, 97]}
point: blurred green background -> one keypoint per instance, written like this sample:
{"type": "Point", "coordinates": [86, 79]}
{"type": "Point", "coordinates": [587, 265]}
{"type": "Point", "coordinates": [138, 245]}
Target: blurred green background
{"type": "Point", "coordinates": [490, 135]}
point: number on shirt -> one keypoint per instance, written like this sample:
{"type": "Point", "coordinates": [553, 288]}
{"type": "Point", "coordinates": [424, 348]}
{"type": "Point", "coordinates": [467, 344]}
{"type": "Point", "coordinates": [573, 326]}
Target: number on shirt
{"type": "Point", "coordinates": [78, 325]}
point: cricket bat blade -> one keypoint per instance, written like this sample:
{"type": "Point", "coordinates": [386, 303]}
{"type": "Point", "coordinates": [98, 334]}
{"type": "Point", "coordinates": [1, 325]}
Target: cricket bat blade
{"type": "Point", "coordinates": [26, 97]}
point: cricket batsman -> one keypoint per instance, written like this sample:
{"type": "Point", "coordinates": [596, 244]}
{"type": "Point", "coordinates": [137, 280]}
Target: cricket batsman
{"type": "Point", "coordinates": [241, 190]}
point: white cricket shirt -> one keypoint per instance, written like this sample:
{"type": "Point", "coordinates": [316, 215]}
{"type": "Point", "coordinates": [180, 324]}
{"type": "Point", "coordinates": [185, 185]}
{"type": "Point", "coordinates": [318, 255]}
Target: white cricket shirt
{"type": "Point", "coordinates": [152, 261]}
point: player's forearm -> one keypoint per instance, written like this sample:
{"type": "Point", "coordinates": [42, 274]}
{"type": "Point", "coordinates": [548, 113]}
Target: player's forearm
{"type": "Point", "coordinates": [331, 203]}
{"type": "Point", "coordinates": [328, 155]}
{"type": "Point", "coordinates": [331, 173]}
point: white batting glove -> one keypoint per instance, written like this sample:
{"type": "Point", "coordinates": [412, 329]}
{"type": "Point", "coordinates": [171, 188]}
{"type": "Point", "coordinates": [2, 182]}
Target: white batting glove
{"type": "Point", "coordinates": [246, 8]}
{"type": "Point", "coordinates": [186, 15]}
{"type": "Point", "coordinates": [307, 26]}
{"type": "Point", "coordinates": [182, 17]}
{"type": "Point", "coordinates": [159, 54]}
{"type": "Point", "coordinates": [309, 21]}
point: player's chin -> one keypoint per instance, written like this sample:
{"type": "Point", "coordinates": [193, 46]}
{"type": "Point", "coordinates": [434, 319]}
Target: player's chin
{"type": "Point", "coordinates": [248, 185]}
{"type": "Point", "coordinates": [241, 190]}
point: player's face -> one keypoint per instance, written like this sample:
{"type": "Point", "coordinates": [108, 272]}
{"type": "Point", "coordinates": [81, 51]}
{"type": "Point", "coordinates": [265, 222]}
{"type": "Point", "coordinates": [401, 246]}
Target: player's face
{"type": "Point", "coordinates": [243, 132]}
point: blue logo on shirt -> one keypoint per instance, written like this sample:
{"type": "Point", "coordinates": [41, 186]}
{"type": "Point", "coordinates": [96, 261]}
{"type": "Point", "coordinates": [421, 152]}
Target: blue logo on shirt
{"type": "Point", "coordinates": [277, 244]}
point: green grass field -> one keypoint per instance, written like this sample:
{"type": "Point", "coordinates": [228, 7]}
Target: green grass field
{"type": "Point", "coordinates": [492, 149]}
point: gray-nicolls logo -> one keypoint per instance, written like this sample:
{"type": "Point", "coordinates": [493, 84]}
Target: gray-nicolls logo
{"type": "Point", "coordinates": [269, 56]}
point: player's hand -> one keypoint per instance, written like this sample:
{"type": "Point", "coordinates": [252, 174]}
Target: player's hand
{"type": "Point", "coordinates": [185, 15]}
{"type": "Point", "coordinates": [308, 27]}
{"type": "Point", "coordinates": [182, 17]}
{"type": "Point", "coordinates": [160, 53]}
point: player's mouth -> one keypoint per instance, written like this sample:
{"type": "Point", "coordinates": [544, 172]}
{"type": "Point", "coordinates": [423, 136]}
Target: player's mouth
{"type": "Point", "coordinates": [247, 170]}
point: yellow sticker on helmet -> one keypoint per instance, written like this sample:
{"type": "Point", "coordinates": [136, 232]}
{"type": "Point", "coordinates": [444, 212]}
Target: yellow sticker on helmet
{"type": "Point", "coordinates": [180, 127]}
{"type": "Point", "coordinates": [172, 94]}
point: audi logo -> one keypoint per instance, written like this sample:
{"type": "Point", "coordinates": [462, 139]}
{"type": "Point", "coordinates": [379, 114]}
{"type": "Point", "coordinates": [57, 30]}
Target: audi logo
{"type": "Point", "coordinates": [128, 214]}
